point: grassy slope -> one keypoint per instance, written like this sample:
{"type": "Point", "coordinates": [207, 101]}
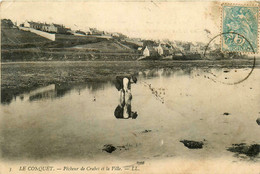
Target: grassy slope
{"type": "Point", "coordinates": [106, 46]}
{"type": "Point", "coordinates": [10, 36]}
{"type": "Point", "coordinates": [20, 45]}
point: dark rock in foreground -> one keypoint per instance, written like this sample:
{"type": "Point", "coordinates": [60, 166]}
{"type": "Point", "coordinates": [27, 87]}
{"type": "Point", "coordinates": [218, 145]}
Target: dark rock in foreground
{"type": "Point", "coordinates": [192, 144]}
{"type": "Point", "coordinates": [108, 148]}
{"type": "Point", "coordinates": [146, 131]}
{"type": "Point", "coordinates": [226, 113]}
{"type": "Point", "coordinates": [258, 121]}
{"type": "Point", "coordinates": [251, 150]}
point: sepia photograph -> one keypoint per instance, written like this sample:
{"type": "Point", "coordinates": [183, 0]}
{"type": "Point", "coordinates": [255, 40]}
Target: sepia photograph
{"type": "Point", "coordinates": [126, 86]}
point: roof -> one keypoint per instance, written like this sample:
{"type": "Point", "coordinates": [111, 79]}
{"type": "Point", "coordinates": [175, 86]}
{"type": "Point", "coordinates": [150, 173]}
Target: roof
{"type": "Point", "coordinates": [36, 23]}
{"type": "Point", "coordinates": [57, 25]}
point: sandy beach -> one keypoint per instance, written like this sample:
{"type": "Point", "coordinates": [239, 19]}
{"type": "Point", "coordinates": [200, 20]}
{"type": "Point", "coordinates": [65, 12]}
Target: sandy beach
{"type": "Point", "coordinates": [172, 104]}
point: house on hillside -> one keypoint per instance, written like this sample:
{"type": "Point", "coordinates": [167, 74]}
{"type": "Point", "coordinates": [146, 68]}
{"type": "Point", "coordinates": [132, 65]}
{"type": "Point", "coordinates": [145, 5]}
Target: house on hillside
{"type": "Point", "coordinates": [140, 50]}
{"type": "Point", "coordinates": [95, 31]}
{"type": "Point", "coordinates": [166, 51]}
{"type": "Point", "coordinates": [149, 51]}
{"type": "Point", "coordinates": [56, 28]}
{"type": "Point", "coordinates": [163, 50]}
{"type": "Point", "coordinates": [214, 46]}
{"type": "Point", "coordinates": [194, 49]}
{"type": "Point", "coordinates": [87, 31]}
{"type": "Point", "coordinates": [198, 48]}
{"type": "Point", "coordinates": [50, 28]}
{"type": "Point", "coordinates": [36, 25]}
{"type": "Point", "coordinates": [115, 34]}
{"type": "Point", "coordinates": [159, 49]}
{"type": "Point", "coordinates": [46, 27]}
{"type": "Point", "coordinates": [107, 33]}
{"type": "Point", "coordinates": [170, 48]}
{"type": "Point", "coordinates": [26, 24]}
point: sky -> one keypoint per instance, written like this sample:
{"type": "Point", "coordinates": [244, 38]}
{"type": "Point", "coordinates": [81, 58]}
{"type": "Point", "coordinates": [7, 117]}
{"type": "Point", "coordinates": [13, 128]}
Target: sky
{"type": "Point", "coordinates": [185, 21]}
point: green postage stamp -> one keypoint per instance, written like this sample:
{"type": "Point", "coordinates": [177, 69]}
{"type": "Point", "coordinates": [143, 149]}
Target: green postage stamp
{"type": "Point", "coordinates": [240, 28]}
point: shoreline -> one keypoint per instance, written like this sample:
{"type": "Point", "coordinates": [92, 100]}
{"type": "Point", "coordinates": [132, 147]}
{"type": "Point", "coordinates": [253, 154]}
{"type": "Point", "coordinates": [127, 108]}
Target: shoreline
{"type": "Point", "coordinates": [21, 77]}
{"type": "Point", "coordinates": [177, 61]}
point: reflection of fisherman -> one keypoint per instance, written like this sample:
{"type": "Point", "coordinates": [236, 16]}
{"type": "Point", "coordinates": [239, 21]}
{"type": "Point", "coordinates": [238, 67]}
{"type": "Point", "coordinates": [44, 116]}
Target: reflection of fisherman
{"type": "Point", "coordinates": [124, 110]}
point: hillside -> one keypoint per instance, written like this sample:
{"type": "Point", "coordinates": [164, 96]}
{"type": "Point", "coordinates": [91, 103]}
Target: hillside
{"type": "Point", "coordinates": [105, 46]}
{"type": "Point", "coordinates": [19, 45]}
{"type": "Point", "coordinates": [14, 36]}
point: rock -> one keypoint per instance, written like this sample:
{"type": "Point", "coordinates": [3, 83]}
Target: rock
{"type": "Point", "coordinates": [258, 121]}
{"type": "Point", "coordinates": [124, 147]}
{"type": "Point", "coordinates": [192, 144]}
{"type": "Point", "coordinates": [226, 113]}
{"type": "Point", "coordinates": [140, 162]}
{"type": "Point", "coordinates": [108, 148]}
{"type": "Point", "coordinates": [146, 131]}
{"type": "Point", "coordinates": [251, 150]}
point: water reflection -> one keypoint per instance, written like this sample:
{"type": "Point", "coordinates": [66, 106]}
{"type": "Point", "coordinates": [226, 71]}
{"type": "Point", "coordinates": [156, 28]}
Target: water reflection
{"type": "Point", "coordinates": [124, 108]}
{"type": "Point", "coordinates": [9, 95]}
{"type": "Point", "coordinates": [166, 72]}
{"type": "Point", "coordinates": [57, 90]}
{"type": "Point", "coordinates": [47, 92]}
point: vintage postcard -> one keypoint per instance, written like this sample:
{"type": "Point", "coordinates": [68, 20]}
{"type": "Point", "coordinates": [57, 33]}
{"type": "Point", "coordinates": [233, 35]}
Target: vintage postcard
{"type": "Point", "coordinates": [129, 87]}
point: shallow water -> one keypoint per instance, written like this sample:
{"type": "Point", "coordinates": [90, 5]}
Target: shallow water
{"type": "Point", "coordinates": [172, 105]}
